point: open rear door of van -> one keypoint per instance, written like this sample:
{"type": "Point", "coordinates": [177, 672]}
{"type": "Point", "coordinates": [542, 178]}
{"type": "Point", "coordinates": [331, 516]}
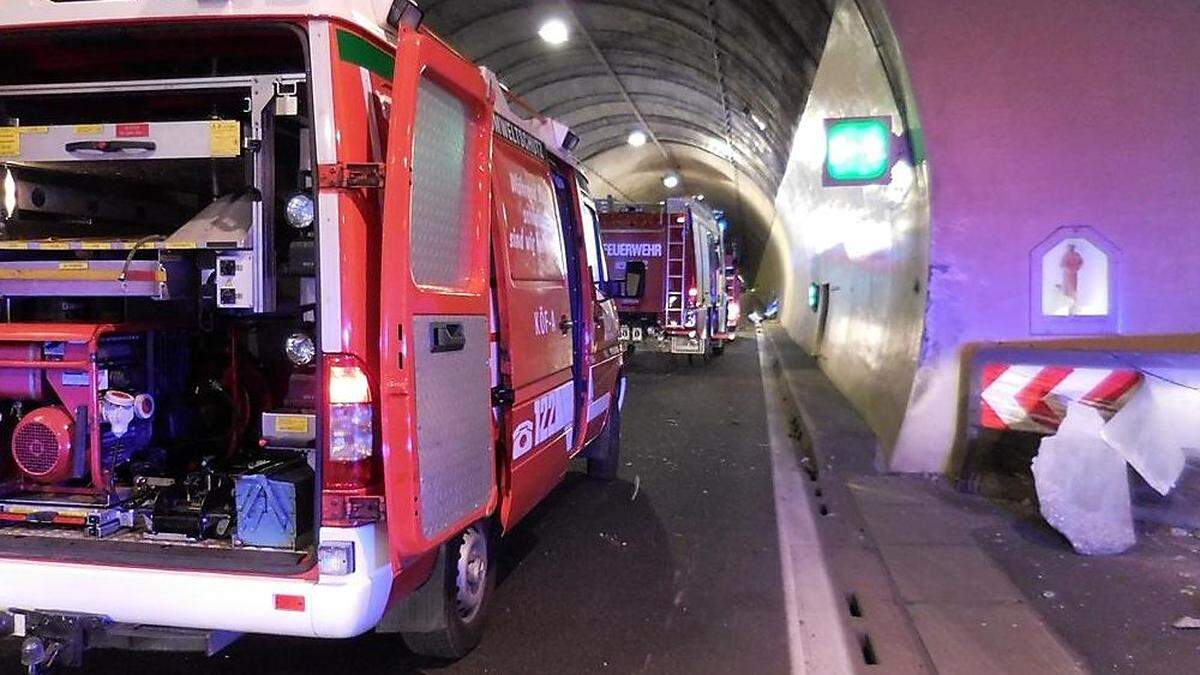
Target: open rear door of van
{"type": "Point", "coordinates": [436, 420]}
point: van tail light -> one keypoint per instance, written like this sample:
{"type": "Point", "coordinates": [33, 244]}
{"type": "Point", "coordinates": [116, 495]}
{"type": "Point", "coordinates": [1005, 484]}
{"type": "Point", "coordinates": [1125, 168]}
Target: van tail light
{"type": "Point", "coordinates": [349, 424]}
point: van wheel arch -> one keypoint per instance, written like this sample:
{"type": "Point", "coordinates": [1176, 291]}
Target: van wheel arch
{"type": "Point", "coordinates": [445, 617]}
{"type": "Point", "coordinates": [604, 453]}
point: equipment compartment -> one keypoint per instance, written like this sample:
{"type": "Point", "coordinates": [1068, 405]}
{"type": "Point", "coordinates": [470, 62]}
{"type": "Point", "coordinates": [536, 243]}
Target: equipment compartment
{"type": "Point", "coordinates": [157, 298]}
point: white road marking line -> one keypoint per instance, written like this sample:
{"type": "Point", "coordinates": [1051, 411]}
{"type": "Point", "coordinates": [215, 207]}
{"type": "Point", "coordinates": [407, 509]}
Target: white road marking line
{"type": "Point", "coordinates": [818, 640]}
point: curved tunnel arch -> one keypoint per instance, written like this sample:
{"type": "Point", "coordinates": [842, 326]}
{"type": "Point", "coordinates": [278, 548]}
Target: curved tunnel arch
{"type": "Point", "coordinates": [720, 85]}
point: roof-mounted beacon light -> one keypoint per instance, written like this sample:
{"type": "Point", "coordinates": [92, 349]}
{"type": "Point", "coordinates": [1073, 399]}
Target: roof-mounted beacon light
{"type": "Point", "coordinates": [861, 151]}
{"type": "Point", "coordinates": [570, 141]}
{"type": "Point", "coordinates": [405, 14]}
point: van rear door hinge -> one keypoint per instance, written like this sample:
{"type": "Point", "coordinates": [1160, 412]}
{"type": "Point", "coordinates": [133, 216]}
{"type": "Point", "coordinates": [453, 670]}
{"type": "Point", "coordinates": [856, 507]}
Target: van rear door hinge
{"type": "Point", "coordinates": [350, 176]}
{"type": "Point", "coordinates": [503, 396]}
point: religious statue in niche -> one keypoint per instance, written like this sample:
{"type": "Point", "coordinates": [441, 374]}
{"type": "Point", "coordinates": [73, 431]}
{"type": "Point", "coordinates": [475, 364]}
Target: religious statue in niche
{"type": "Point", "coordinates": [1075, 279]}
{"type": "Point", "coordinates": [1071, 263]}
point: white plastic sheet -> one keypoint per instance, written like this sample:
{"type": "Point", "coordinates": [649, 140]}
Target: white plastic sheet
{"type": "Point", "coordinates": [1152, 430]}
{"type": "Point", "coordinates": [1083, 486]}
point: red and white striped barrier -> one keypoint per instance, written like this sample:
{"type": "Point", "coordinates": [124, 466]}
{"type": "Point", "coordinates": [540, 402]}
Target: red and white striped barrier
{"type": "Point", "coordinates": [1035, 398]}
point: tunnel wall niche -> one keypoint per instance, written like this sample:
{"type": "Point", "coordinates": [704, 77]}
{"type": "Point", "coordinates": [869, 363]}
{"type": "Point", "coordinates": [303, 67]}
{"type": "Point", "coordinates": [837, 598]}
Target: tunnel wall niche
{"type": "Point", "coordinates": [1036, 118]}
{"type": "Point", "coordinates": [863, 250]}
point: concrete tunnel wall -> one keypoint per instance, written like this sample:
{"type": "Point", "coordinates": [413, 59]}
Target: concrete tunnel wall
{"type": "Point", "coordinates": [869, 244]}
{"type": "Point", "coordinates": [1035, 117]}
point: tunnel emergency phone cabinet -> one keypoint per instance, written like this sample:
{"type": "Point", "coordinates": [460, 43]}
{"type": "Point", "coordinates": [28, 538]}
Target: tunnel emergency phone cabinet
{"type": "Point", "coordinates": [300, 312]}
{"type": "Point", "coordinates": [680, 250]}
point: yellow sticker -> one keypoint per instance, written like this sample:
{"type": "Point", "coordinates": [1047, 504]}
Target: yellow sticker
{"type": "Point", "coordinates": [54, 246]}
{"type": "Point", "coordinates": [89, 129]}
{"type": "Point", "coordinates": [96, 245]}
{"type": "Point", "coordinates": [73, 265]}
{"type": "Point", "coordinates": [34, 130]}
{"type": "Point", "coordinates": [226, 138]}
{"type": "Point", "coordinates": [10, 142]}
{"type": "Point", "coordinates": [294, 424]}
{"type": "Point", "coordinates": [174, 245]}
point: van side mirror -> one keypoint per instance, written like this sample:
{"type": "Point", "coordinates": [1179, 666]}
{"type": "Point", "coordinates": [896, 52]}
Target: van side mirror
{"type": "Point", "coordinates": [632, 287]}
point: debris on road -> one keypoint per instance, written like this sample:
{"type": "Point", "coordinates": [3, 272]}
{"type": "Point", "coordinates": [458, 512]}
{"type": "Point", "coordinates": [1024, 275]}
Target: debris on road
{"type": "Point", "coordinates": [1083, 486]}
{"type": "Point", "coordinates": [1187, 623]}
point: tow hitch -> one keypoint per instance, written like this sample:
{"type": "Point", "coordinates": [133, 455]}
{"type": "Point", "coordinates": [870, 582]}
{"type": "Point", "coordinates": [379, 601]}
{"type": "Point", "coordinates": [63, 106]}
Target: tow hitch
{"type": "Point", "coordinates": [56, 639]}
{"type": "Point", "coordinates": [61, 638]}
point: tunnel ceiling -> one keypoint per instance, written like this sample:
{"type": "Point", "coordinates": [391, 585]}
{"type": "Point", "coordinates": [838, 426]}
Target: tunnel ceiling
{"type": "Point", "coordinates": [717, 85]}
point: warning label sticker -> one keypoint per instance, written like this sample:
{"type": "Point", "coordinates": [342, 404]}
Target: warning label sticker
{"type": "Point", "coordinates": [10, 142]}
{"type": "Point", "coordinates": [226, 138]}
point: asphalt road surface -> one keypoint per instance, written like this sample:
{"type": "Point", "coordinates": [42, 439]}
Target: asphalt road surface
{"type": "Point", "coordinates": [674, 568]}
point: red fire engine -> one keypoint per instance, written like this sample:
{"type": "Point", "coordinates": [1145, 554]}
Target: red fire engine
{"type": "Point", "coordinates": [678, 247]}
{"type": "Point", "coordinates": [300, 313]}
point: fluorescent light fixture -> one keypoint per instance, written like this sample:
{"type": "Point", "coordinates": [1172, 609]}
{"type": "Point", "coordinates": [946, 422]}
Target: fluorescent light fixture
{"type": "Point", "coordinates": [554, 32]}
{"type": "Point", "coordinates": [637, 138]}
{"type": "Point", "coordinates": [9, 192]}
{"type": "Point", "coordinates": [670, 181]}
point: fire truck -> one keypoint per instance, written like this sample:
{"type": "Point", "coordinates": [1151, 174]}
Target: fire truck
{"type": "Point", "coordinates": [678, 248]}
{"type": "Point", "coordinates": [301, 313]}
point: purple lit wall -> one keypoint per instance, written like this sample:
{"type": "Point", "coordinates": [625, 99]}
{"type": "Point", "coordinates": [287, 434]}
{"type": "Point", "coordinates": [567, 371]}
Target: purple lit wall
{"type": "Point", "coordinates": [1035, 116]}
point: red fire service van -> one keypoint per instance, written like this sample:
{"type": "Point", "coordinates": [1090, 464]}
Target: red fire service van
{"type": "Point", "coordinates": [300, 314]}
{"type": "Point", "coordinates": [679, 248]}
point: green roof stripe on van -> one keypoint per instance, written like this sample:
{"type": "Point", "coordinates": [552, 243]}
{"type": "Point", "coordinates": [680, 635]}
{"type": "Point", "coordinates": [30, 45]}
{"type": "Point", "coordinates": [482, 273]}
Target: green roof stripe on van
{"type": "Point", "coordinates": [358, 51]}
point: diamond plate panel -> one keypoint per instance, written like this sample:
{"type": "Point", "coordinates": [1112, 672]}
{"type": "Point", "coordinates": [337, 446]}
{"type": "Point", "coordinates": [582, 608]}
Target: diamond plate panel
{"type": "Point", "coordinates": [454, 435]}
{"type": "Point", "coordinates": [440, 247]}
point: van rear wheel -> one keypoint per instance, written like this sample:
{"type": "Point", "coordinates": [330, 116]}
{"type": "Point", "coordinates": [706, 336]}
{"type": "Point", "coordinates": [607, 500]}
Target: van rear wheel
{"type": "Point", "coordinates": [604, 455]}
{"type": "Point", "coordinates": [457, 605]}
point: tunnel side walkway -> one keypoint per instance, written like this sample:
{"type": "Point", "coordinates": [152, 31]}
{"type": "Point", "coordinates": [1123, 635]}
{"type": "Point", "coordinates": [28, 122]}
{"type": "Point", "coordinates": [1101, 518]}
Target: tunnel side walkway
{"type": "Point", "coordinates": [905, 553]}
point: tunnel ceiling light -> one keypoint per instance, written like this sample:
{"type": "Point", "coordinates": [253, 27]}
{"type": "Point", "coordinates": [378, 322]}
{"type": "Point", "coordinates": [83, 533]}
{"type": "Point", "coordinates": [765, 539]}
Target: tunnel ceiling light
{"type": "Point", "coordinates": [637, 138]}
{"type": "Point", "coordinates": [699, 198]}
{"type": "Point", "coordinates": [554, 32]}
{"type": "Point", "coordinates": [859, 151]}
{"type": "Point", "coordinates": [758, 122]}
{"type": "Point", "coordinates": [670, 181]}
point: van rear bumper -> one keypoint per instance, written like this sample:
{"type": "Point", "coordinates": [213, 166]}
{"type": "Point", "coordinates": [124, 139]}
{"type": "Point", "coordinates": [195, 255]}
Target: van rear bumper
{"type": "Point", "coordinates": [332, 607]}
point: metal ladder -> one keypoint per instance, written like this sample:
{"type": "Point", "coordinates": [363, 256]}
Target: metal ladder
{"type": "Point", "coordinates": [676, 266]}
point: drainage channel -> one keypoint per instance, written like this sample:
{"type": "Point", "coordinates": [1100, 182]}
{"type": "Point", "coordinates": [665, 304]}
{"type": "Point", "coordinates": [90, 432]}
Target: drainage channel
{"type": "Point", "coordinates": [848, 624]}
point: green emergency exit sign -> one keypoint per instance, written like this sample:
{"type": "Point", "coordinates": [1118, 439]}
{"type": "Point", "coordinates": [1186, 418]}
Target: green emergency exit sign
{"type": "Point", "coordinates": [858, 151]}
